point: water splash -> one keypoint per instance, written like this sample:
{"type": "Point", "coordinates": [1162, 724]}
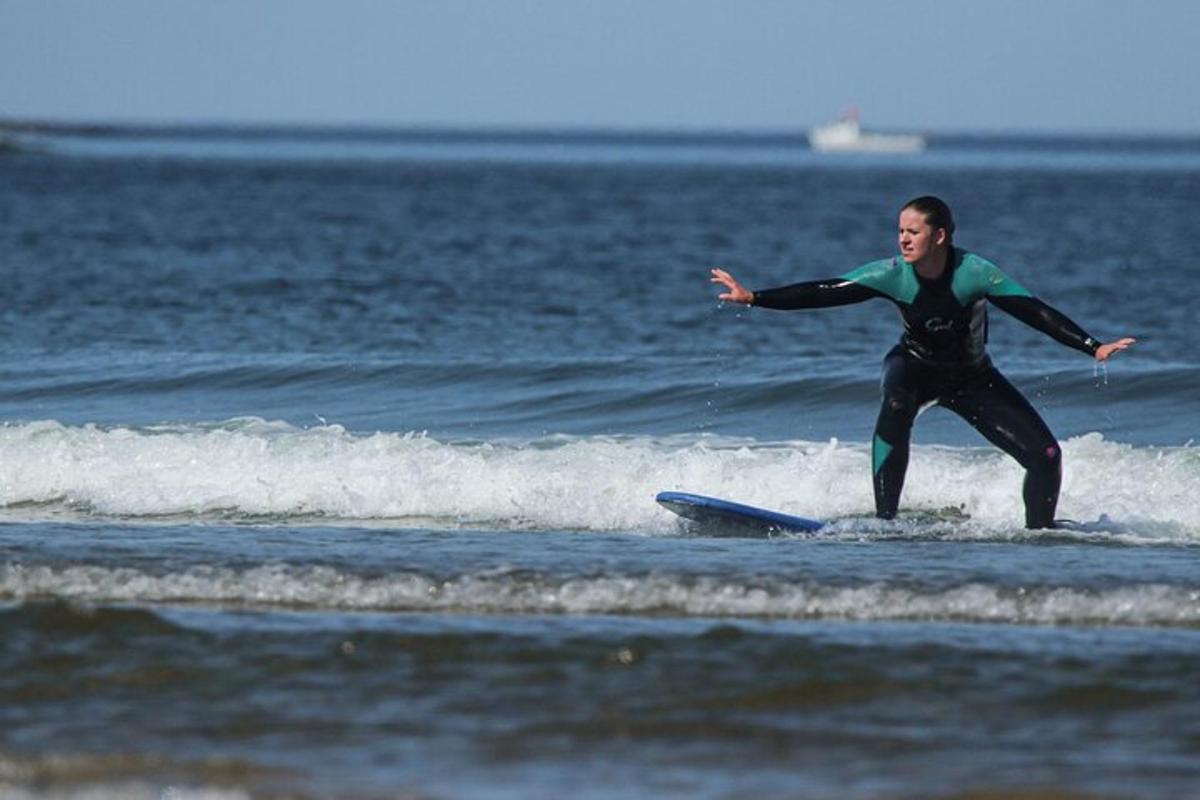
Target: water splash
{"type": "Point", "coordinates": [258, 470]}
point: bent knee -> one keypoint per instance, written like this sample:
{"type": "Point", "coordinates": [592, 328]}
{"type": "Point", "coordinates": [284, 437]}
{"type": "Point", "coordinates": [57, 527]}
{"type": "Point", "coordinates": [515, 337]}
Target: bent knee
{"type": "Point", "coordinates": [1047, 459]}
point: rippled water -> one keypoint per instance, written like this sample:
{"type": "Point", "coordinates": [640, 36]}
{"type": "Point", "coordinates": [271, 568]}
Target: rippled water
{"type": "Point", "coordinates": [327, 468]}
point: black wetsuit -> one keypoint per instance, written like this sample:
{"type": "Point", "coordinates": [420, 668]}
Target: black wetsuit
{"type": "Point", "coordinates": [941, 358]}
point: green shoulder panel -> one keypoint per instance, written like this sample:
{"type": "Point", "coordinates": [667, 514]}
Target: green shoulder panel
{"type": "Point", "coordinates": [889, 276]}
{"type": "Point", "coordinates": [977, 278]}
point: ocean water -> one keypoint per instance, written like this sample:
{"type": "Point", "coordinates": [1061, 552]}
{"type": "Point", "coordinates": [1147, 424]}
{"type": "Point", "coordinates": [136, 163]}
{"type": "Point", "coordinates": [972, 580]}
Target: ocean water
{"type": "Point", "coordinates": [327, 466]}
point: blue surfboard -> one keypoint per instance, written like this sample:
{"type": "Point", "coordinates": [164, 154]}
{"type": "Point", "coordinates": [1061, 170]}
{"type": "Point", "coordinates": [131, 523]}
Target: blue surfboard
{"type": "Point", "coordinates": [725, 517]}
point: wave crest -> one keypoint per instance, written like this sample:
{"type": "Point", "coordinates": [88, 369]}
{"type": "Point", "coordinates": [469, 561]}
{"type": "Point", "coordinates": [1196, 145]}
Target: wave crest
{"type": "Point", "coordinates": [518, 591]}
{"type": "Point", "coordinates": [255, 470]}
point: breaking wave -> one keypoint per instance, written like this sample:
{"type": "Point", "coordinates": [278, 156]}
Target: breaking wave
{"type": "Point", "coordinates": [251, 469]}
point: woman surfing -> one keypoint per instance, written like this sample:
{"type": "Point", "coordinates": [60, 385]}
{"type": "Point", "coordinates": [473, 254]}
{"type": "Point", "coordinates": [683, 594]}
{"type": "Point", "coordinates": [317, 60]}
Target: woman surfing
{"type": "Point", "coordinates": [940, 291]}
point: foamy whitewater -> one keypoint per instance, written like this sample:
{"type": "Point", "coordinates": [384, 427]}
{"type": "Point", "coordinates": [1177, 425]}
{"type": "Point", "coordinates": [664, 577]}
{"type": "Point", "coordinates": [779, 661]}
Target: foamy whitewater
{"type": "Point", "coordinates": [328, 464]}
{"type": "Point", "coordinates": [250, 468]}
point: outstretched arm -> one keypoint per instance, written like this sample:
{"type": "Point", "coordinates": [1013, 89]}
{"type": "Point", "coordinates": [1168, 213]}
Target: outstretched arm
{"type": "Point", "coordinates": [1054, 323]}
{"type": "Point", "coordinates": [810, 294]}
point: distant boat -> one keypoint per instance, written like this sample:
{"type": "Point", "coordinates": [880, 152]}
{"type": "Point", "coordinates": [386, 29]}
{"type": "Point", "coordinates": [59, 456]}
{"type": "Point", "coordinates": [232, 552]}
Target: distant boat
{"type": "Point", "coordinates": [845, 136]}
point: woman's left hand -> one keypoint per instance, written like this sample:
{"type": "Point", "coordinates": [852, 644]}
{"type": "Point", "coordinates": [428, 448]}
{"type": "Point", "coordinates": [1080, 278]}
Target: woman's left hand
{"type": "Point", "coordinates": [1104, 351]}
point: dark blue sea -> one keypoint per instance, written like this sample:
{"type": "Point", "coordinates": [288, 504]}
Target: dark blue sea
{"type": "Point", "coordinates": [328, 463]}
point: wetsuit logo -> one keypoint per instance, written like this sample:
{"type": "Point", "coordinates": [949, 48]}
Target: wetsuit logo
{"type": "Point", "coordinates": [939, 325]}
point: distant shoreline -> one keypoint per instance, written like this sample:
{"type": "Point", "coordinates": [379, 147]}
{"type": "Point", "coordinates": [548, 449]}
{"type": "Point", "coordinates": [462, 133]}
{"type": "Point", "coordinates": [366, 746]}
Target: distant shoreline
{"type": "Point", "coordinates": [549, 134]}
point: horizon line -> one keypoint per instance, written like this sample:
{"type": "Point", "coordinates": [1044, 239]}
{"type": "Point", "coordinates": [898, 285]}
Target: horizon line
{"type": "Point", "coordinates": [67, 126]}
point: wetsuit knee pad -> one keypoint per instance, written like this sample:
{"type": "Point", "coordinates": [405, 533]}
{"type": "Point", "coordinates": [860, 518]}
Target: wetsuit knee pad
{"type": "Point", "coordinates": [1045, 458]}
{"type": "Point", "coordinates": [1051, 458]}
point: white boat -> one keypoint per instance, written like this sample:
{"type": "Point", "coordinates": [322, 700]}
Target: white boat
{"type": "Point", "coordinates": [845, 136]}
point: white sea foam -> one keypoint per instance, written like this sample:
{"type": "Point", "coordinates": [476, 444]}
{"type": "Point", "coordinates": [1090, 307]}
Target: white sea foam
{"type": "Point", "coordinates": [252, 468]}
{"type": "Point", "coordinates": [522, 592]}
{"type": "Point", "coordinates": [119, 790]}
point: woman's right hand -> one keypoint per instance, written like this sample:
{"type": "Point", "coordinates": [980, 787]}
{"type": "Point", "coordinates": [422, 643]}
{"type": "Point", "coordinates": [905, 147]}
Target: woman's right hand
{"type": "Point", "coordinates": [737, 293]}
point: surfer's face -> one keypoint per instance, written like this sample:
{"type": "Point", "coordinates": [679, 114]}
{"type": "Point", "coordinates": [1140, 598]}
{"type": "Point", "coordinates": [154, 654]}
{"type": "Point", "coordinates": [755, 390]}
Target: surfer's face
{"type": "Point", "coordinates": [918, 239]}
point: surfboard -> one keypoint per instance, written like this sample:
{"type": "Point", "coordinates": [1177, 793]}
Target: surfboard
{"type": "Point", "coordinates": [716, 517]}
{"type": "Point", "coordinates": [725, 517]}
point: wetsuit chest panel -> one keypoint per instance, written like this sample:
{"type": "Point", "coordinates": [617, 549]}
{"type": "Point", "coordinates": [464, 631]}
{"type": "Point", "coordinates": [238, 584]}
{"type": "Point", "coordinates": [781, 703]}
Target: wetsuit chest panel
{"type": "Point", "coordinates": [945, 320]}
{"type": "Point", "coordinates": [938, 326]}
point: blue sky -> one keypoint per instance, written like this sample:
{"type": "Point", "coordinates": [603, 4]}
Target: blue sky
{"type": "Point", "coordinates": [971, 65]}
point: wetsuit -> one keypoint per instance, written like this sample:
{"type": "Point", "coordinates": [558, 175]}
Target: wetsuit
{"type": "Point", "coordinates": [941, 358]}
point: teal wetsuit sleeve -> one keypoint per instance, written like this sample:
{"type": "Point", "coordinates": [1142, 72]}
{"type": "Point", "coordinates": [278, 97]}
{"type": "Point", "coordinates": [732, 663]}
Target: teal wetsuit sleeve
{"type": "Point", "coordinates": [824, 293]}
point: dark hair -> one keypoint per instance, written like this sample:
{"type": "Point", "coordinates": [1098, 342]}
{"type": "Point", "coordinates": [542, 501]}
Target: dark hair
{"type": "Point", "coordinates": [936, 212]}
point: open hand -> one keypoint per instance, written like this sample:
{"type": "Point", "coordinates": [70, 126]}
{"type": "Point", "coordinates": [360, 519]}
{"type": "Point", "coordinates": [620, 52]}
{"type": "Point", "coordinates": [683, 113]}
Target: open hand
{"type": "Point", "coordinates": [1104, 351]}
{"type": "Point", "coordinates": [737, 293]}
